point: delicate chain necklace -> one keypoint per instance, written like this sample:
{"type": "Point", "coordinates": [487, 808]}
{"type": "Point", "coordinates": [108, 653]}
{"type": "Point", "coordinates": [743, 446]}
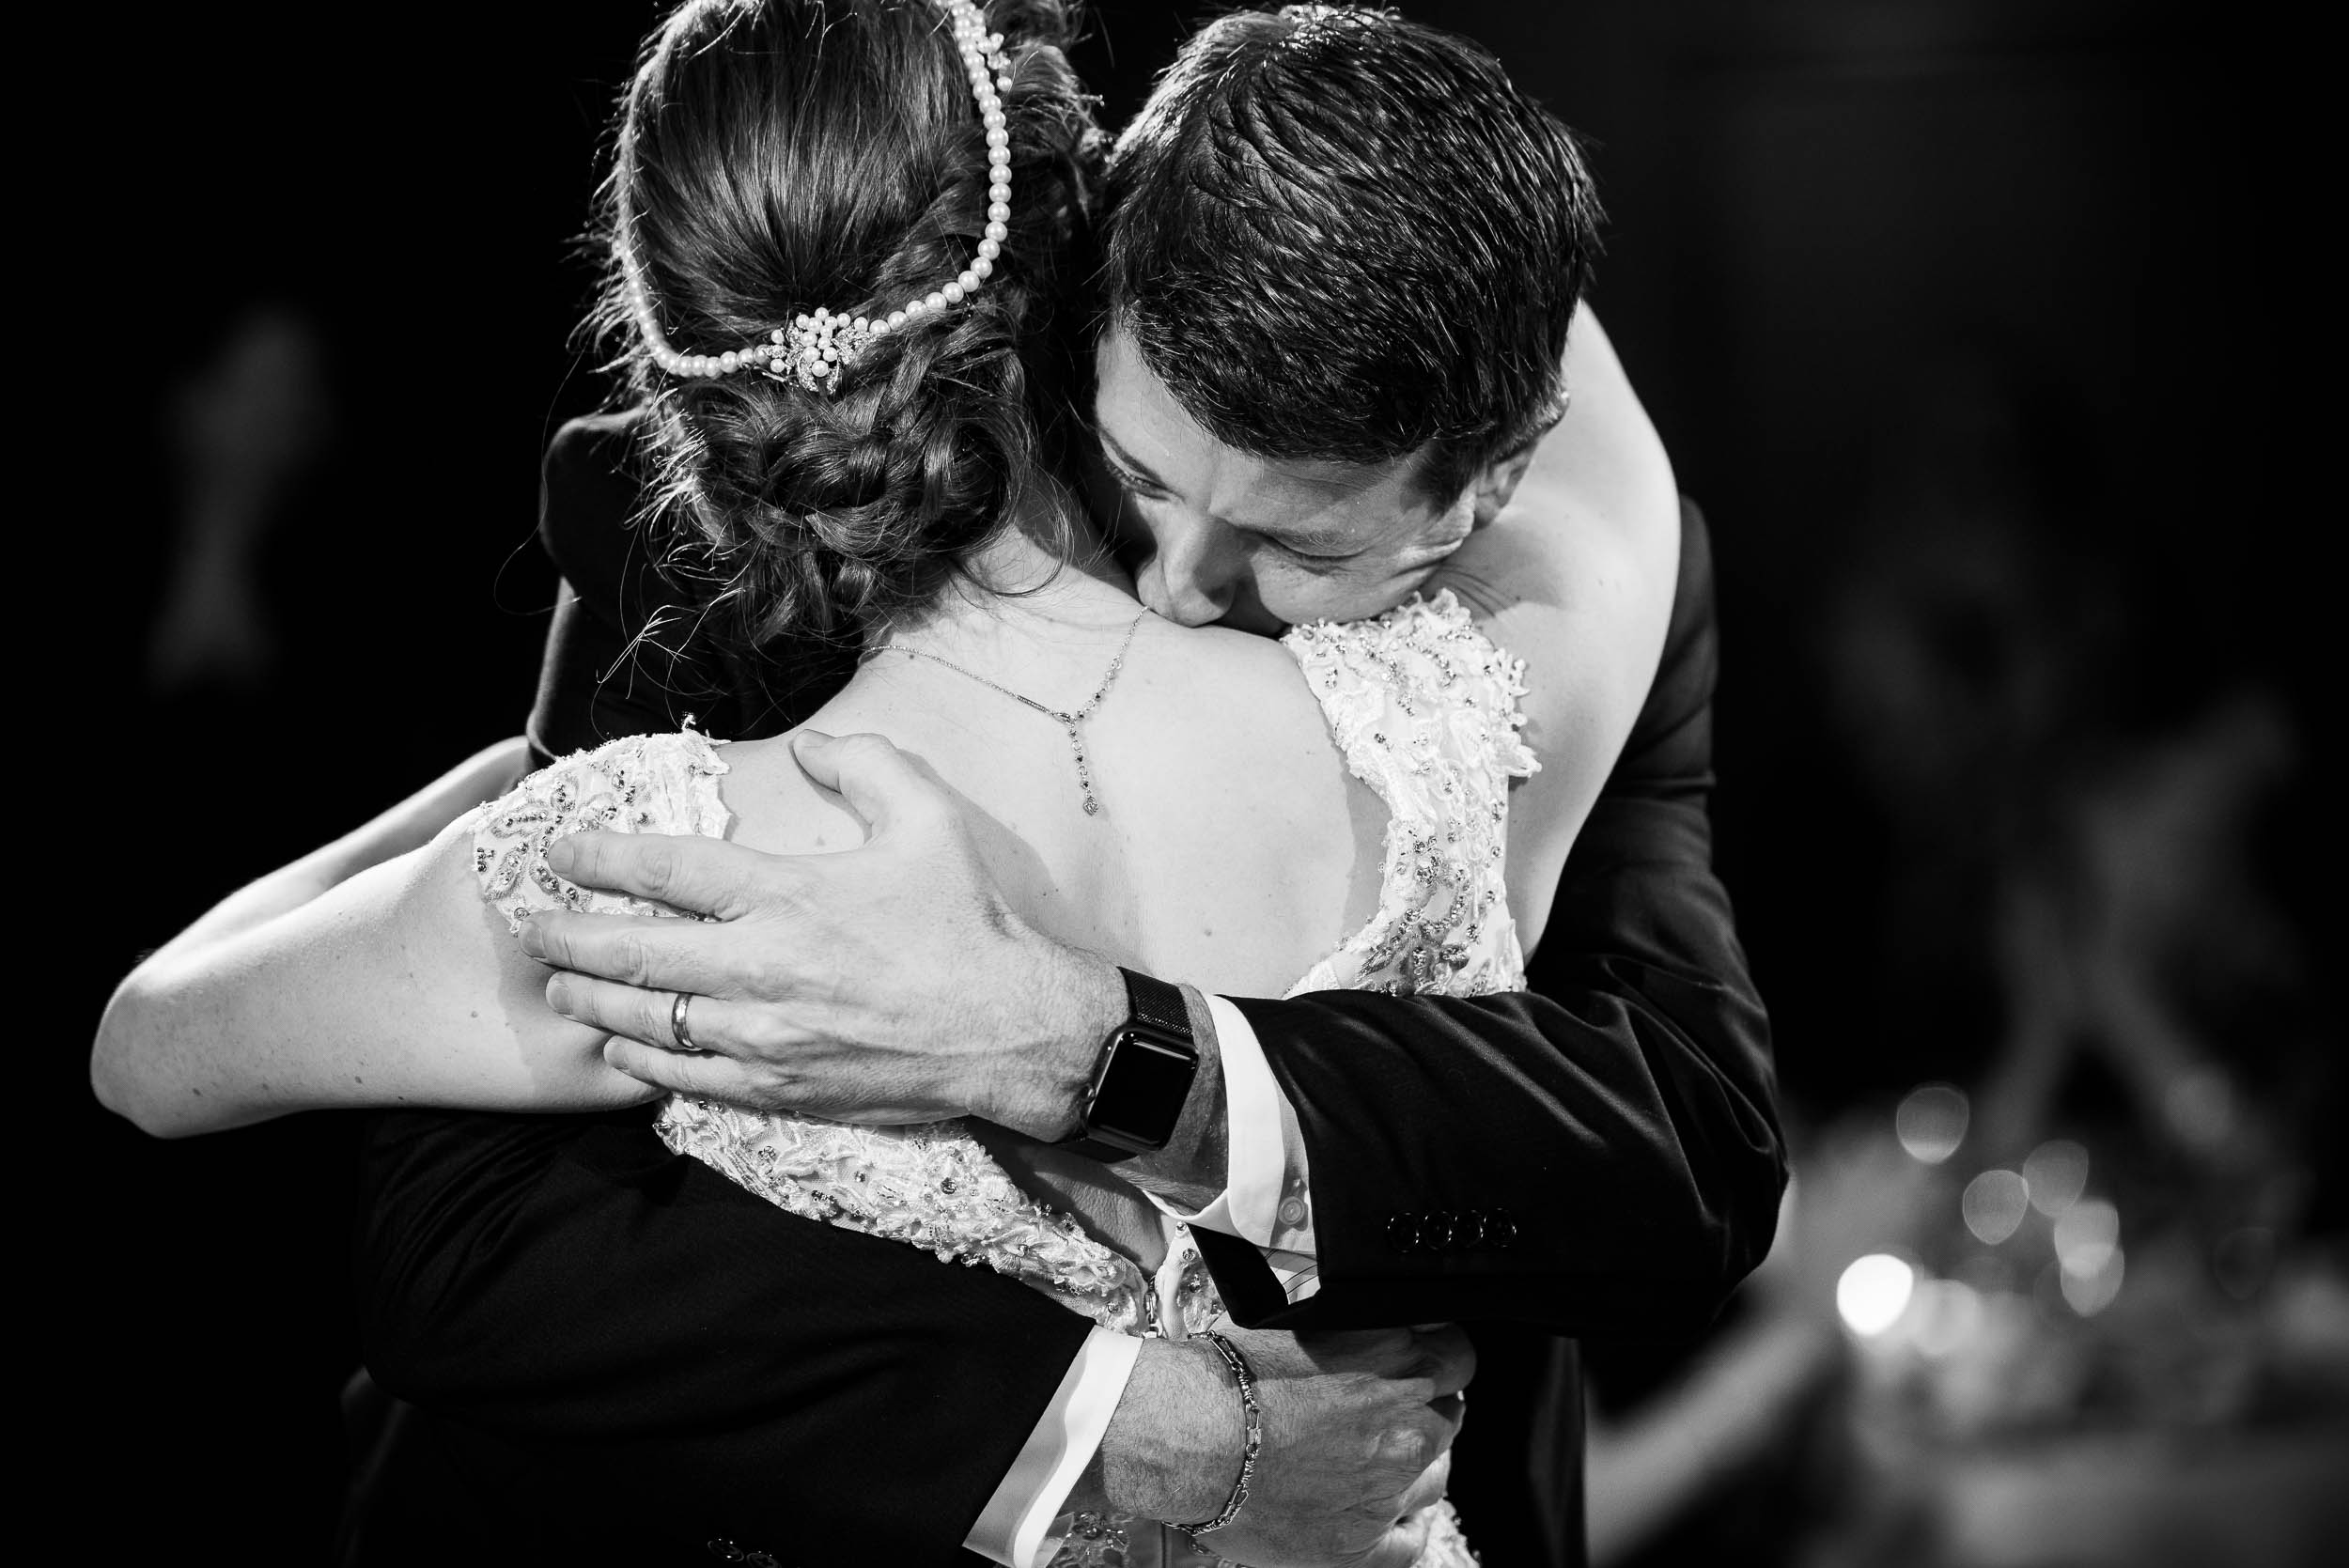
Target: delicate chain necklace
{"type": "Point", "coordinates": [1068, 721]}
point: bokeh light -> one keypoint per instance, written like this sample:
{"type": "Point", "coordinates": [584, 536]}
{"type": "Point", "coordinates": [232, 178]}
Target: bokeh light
{"type": "Point", "coordinates": [1874, 1291]}
{"type": "Point", "coordinates": [1994, 1205]}
{"type": "Point", "coordinates": [2092, 1292]}
{"type": "Point", "coordinates": [2057, 1173]}
{"type": "Point", "coordinates": [2087, 1235]}
{"type": "Point", "coordinates": [1931, 1122]}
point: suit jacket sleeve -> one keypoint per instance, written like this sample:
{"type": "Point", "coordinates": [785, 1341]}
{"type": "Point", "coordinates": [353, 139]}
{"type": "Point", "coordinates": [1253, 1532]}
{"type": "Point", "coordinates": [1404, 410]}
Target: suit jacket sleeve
{"type": "Point", "coordinates": [1600, 1154]}
{"type": "Point", "coordinates": [711, 1364]}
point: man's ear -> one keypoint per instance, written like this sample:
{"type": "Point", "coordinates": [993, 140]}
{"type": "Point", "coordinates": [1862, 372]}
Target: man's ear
{"type": "Point", "coordinates": [1497, 481]}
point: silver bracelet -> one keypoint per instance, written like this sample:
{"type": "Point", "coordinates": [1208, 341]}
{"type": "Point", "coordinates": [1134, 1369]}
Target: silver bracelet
{"type": "Point", "coordinates": [1253, 1415]}
{"type": "Point", "coordinates": [1099, 1527]}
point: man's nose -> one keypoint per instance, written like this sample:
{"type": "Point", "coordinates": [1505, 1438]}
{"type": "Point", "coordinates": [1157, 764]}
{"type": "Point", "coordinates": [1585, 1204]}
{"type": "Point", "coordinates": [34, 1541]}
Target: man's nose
{"type": "Point", "coordinates": [1196, 572]}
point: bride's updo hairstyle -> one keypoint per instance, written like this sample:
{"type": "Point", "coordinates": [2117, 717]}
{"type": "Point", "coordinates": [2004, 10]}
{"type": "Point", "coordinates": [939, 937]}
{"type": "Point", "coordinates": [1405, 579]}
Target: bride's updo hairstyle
{"type": "Point", "coordinates": [778, 155]}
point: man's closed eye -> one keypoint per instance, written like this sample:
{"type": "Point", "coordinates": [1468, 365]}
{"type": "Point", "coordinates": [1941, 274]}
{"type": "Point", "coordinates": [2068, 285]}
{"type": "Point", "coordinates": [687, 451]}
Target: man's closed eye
{"type": "Point", "coordinates": [1131, 483]}
{"type": "Point", "coordinates": [1310, 560]}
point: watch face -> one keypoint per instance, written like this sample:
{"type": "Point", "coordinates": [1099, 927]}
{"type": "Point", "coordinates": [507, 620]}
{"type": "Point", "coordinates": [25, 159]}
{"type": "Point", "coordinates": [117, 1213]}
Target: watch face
{"type": "Point", "coordinates": [1141, 1097]}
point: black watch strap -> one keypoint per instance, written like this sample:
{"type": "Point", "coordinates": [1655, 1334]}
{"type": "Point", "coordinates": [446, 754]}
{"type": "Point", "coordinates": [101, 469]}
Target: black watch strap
{"type": "Point", "coordinates": [1152, 1057]}
{"type": "Point", "coordinates": [1154, 1001]}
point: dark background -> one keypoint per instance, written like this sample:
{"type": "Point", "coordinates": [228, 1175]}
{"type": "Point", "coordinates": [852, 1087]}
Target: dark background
{"type": "Point", "coordinates": [1989, 323]}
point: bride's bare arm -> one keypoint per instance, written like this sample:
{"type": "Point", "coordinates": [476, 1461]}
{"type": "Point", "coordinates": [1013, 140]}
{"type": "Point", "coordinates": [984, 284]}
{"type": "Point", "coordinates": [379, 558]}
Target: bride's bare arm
{"type": "Point", "coordinates": [369, 972]}
{"type": "Point", "coordinates": [410, 825]}
{"type": "Point", "coordinates": [1576, 577]}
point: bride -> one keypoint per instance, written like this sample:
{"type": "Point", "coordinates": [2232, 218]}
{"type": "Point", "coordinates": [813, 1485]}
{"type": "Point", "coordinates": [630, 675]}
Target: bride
{"type": "Point", "coordinates": [854, 325]}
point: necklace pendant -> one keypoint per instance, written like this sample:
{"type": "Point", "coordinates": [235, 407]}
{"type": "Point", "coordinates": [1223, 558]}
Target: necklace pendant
{"type": "Point", "coordinates": [1072, 722]}
{"type": "Point", "coordinates": [1084, 768]}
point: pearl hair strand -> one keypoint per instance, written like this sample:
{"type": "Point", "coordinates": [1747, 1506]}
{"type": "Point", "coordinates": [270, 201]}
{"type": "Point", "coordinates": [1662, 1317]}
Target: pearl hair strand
{"type": "Point", "coordinates": [819, 345]}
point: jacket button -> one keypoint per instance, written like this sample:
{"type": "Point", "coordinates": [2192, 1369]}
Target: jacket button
{"type": "Point", "coordinates": [1498, 1230]}
{"type": "Point", "coordinates": [1444, 1232]}
{"type": "Point", "coordinates": [1402, 1233]}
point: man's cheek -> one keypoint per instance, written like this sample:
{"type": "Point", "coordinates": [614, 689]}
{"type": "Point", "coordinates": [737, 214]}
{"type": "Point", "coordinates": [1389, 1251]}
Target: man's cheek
{"type": "Point", "coordinates": [1293, 601]}
{"type": "Point", "coordinates": [1297, 596]}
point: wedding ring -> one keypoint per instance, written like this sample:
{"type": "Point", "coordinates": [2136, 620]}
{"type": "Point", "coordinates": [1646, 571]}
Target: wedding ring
{"type": "Point", "coordinates": [677, 1025]}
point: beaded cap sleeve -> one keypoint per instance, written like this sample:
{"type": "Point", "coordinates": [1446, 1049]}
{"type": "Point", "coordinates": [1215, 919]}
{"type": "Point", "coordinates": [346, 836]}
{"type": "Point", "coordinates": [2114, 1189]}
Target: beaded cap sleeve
{"type": "Point", "coordinates": [932, 1186]}
{"type": "Point", "coordinates": [1424, 709]}
{"type": "Point", "coordinates": [663, 784]}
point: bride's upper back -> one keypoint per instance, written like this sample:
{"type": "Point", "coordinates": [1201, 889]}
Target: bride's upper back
{"type": "Point", "coordinates": [1231, 847]}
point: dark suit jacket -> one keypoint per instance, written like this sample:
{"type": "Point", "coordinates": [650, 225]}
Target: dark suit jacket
{"type": "Point", "coordinates": [1600, 1156]}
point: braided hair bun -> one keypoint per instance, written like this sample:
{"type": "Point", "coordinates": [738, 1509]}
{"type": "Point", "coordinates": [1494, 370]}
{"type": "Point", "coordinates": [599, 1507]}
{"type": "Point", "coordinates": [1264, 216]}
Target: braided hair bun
{"type": "Point", "coordinates": [778, 155]}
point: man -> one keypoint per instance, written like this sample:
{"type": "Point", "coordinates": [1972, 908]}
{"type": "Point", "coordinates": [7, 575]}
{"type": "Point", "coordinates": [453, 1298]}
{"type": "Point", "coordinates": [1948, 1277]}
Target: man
{"type": "Point", "coordinates": [1343, 255]}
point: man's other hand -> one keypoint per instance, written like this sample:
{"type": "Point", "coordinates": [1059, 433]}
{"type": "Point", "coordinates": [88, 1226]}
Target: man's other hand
{"type": "Point", "coordinates": [885, 983]}
{"type": "Point", "coordinates": [1357, 1430]}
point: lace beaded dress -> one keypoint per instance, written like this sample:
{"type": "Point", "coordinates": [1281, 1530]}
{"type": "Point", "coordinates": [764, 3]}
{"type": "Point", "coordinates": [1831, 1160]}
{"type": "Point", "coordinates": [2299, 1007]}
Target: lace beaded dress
{"type": "Point", "coordinates": [1424, 709]}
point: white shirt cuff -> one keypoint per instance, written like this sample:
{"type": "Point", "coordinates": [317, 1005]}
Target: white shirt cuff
{"type": "Point", "coordinates": [1013, 1528]}
{"type": "Point", "coordinates": [1256, 1153]}
{"type": "Point", "coordinates": [1267, 1200]}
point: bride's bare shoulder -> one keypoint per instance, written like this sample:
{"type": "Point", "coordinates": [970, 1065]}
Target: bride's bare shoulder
{"type": "Point", "coordinates": [774, 806]}
{"type": "Point", "coordinates": [1247, 684]}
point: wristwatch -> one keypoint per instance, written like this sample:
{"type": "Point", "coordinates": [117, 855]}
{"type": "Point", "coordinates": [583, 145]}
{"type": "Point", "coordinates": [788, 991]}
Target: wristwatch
{"type": "Point", "coordinates": [1141, 1078]}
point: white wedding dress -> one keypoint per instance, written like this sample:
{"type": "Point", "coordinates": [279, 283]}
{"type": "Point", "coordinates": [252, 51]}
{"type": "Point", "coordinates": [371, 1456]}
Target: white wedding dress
{"type": "Point", "coordinates": [1424, 709]}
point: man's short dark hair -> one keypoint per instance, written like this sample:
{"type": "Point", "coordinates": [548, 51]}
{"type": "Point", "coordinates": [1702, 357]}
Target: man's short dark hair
{"type": "Point", "coordinates": [1338, 233]}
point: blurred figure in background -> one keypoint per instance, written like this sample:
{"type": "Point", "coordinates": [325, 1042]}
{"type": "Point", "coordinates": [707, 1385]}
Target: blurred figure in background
{"type": "Point", "coordinates": [242, 430]}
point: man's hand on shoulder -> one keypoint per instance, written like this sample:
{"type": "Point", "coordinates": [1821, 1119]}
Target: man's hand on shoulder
{"type": "Point", "coordinates": [887, 984]}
